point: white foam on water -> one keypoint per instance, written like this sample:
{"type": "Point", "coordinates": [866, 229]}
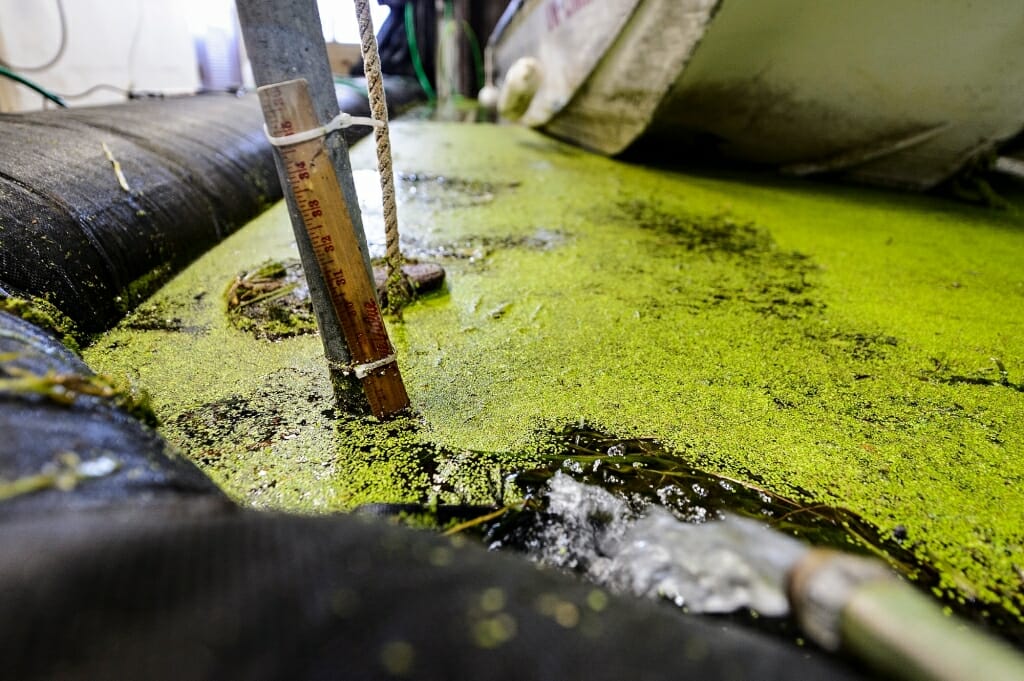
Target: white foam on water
{"type": "Point", "coordinates": [722, 565]}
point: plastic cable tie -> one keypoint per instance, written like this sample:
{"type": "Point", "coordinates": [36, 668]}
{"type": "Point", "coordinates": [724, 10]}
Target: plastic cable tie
{"type": "Point", "coordinates": [342, 120]}
{"type": "Point", "coordinates": [363, 370]}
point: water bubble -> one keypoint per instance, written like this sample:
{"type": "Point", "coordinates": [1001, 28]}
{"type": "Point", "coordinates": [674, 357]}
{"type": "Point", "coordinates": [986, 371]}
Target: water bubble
{"type": "Point", "coordinates": [671, 496]}
{"type": "Point", "coordinates": [697, 515]}
{"type": "Point", "coordinates": [573, 466]}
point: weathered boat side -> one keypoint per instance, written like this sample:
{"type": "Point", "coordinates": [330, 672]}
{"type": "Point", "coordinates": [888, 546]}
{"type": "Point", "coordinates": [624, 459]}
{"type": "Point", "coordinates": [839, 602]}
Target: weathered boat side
{"type": "Point", "coordinates": [569, 37]}
{"type": "Point", "coordinates": [615, 106]}
{"type": "Point", "coordinates": [891, 93]}
{"type": "Point", "coordinates": [901, 94]}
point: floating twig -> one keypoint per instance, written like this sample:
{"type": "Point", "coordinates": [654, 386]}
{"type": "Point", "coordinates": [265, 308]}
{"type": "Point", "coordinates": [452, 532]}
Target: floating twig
{"type": "Point", "coordinates": [118, 173]}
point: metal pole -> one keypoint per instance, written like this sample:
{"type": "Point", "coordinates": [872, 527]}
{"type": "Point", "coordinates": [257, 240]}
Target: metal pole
{"type": "Point", "coordinates": [284, 41]}
{"type": "Point", "coordinates": [858, 605]}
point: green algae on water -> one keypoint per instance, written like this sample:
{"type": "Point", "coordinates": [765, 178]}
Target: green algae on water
{"type": "Point", "coordinates": [141, 288]}
{"type": "Point", "coordinates": [838, 344]}
{"type": "Point", "coordinates": [46, 316]}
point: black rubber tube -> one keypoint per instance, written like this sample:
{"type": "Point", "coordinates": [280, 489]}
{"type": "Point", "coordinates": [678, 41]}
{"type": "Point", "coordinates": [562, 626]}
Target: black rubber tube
{"type": "Point", "coordinates": [195, 168]}
{"type": "Point", "coordinates": [99, 205]}
{"type": "Point", "coordinates": [68, 441]}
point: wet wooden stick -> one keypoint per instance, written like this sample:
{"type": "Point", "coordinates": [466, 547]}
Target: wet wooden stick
{"type": "Point", "coordinates": [288, 110]}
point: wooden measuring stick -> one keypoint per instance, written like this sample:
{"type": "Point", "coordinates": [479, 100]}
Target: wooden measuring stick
{"type": "Point", "coordinates": [288, 110]}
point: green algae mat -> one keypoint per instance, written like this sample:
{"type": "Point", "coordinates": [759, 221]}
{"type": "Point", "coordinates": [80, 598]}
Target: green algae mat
{"type": "Point", "coordinates": [840, 346]}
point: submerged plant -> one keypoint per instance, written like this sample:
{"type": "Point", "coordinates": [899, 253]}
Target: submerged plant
{"type": "Point", "coordinates": [65, 389]}
{"type": "Point", "coordinates": [271, 301]}
{"type": "Point", "coordinates": [64, 474]}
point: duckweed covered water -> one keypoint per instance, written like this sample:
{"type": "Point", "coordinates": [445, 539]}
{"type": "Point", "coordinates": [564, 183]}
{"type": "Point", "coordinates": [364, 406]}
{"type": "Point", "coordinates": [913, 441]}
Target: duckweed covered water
{"type": "Point", "coordinates": [842, 347]}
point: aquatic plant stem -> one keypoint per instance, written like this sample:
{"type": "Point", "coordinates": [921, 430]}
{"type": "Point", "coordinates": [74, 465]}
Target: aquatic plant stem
{"type": "Point", "coordinates": [480, 520]}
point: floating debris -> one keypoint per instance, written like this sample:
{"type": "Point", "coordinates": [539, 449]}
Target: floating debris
{"type": "Point", "coordinates": [272, 301]}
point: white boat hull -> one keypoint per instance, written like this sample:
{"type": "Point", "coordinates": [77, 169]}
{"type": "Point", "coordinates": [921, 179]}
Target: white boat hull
{"type": "Point", "coordinates": [898, 93]}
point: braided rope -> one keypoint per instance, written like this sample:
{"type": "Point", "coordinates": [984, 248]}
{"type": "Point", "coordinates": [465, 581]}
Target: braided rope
{"type": "Point", "coordinates": [398, 290]}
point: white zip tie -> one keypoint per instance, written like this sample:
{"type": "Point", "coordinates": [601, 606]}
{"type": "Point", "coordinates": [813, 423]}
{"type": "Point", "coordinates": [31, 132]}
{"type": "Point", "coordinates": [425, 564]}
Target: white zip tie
{"type": "Point", "coordinates": [342, 120]}
{"type": "Point", "coordinates": [363, 370]}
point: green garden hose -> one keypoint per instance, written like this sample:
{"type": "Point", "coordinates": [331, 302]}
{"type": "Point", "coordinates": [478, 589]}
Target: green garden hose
{"type": "Point", "coordinates": [414, 51]}
{"type": "Point", "coordinates": [7, 73]}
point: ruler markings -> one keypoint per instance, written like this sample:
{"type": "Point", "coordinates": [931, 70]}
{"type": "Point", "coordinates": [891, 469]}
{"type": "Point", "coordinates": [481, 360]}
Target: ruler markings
{"type": "Point", "coordinates": [288, 109]}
